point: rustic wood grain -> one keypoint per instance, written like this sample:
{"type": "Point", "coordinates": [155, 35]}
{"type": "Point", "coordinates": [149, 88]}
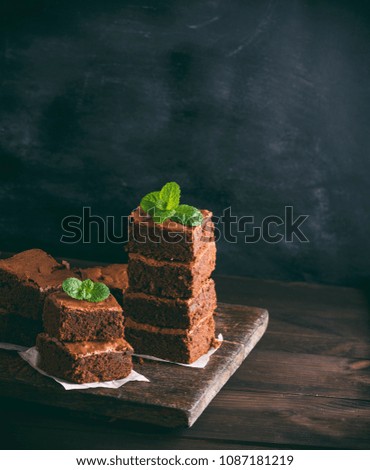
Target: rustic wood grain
{"type": "Point", "coordinates": [175, 396]}
{"type": "Point", "coordinates": [306, 374]}
{"type": "Point", "coordinates": [285, 417]}
{"type": "Point", "coordinates": [323, 344]}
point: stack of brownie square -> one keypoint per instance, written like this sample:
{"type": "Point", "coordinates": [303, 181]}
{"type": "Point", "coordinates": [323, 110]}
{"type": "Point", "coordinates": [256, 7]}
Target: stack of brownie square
{"type": "Point", "coordinates": [170, 302]}
{"type": "Point", "coordinates": [26, 279]}
{"type": "Point", "coordinates": [83, 341]}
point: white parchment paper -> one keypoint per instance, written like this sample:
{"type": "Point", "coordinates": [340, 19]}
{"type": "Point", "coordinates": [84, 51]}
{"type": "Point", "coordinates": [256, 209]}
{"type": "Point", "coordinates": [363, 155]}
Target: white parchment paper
{"type": "Point", "coordinates": [32, 356]}
{"type": "Point", "coordinates": [13, 347]}
{"type": "Point", "coordinates": [198, 364]}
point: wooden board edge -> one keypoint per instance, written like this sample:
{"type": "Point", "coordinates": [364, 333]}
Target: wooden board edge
{"type": "Point", "coordinates": [157, 415]}
{"type": "Point", "coordinates": [230, 369]}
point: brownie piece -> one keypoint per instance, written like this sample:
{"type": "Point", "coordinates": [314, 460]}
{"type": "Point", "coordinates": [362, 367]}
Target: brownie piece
{"type": "Point", "coordinates": [26, 279]}
{"type": "Point", "coordinates": [173, 344]}
{"type": "Point", "coordinates": [171, 313]}
{"type": "Point", "coordinates": [92, 361]}
{"type": "Point", "coordinates": [169, 240]}
{"type": "Point", "coordinates": [18, 330]}
{"type": "Point", "coordinates": [173, 279]}
{"type": "Point", "coordinates": [112, 275]}
{"type": "Point", "coordinates": [70, 319]}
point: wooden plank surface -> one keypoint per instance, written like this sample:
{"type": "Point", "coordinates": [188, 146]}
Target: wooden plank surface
{"type": "Point", "coordinates": [175, 396]}
{"type": "Point", "coordinates": [300, 420]}
{"type": "Point", "coordinates": [270, 402]}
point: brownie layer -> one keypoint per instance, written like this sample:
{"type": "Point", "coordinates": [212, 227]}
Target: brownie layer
{"type": "Point", "coordinates": [26, 279]}
{"type": "Point", "coordinates": [18, 330]}
{"type": "Point", "coordinates": [172, 279]}
{"type": "Point", "coordinates": [113, 275]}
{"type": "Point", "coordinates": [170, 240]}
{"type": "Point", "coordinates": [173, 344]}
{"type": "Point", "coordinates": [171, 313]}
{"type": "Point", "coordinates": [69, 319]}
{"type": "Point", "coordinates": [85, 362]}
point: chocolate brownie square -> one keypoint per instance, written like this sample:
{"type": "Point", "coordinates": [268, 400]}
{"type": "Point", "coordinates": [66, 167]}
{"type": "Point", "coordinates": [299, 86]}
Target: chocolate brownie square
{"type": "Point", "coordinates": [171, 313]}
{"type": "Point", "coordinates": [173, 279]}
{"type": "Point", "coordinates": [175, 345]}
{"type": "Point", "coordinates": [112, 275]}
{"type": "Point", "coordinates": [70, 319]}
{"type": "Point", "coordinates": [18, 330]}
{"type": "Point", "coordinates": [169, 240]}
{"type": "Point", "coordinates": [85, 362]}
{"type": "Point", "coordinates": [26, 279]}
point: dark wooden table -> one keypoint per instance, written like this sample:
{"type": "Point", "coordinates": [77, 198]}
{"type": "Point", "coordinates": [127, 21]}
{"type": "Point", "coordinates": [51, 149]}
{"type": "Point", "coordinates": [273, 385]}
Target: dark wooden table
{"type": "Point", "coordinates": [306, 385]}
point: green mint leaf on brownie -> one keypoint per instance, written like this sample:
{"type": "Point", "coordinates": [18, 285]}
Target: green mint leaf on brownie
{"type": "Point", "coordinates": [100, 292]}
{"type": "Point", "coordinates": [188, 215]}
{"type": "Point", "coordinates": [71, 286]}
{"type": "Point", "coordinates": [170, 195]}
{"type": "Point", "coordinates": [164, 204]}
{"type": "Point", "coordinates": [151, 201]}
{"type": "Point", "coordinates": [160, 216]}
{"type": "Point", "coordinates": [85, 290]}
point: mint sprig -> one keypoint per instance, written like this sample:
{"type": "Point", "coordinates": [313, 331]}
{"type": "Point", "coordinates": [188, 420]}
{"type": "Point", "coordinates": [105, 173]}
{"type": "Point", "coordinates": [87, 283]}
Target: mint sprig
{"type": "Point", "coordinates": [152, 201]}
{"type": "Point", "coordinates": [85, 290]}
{"type": "Point", "coordinates": [167, 199]}
{"type": "Point", "coordinates": [165, 204]}
{"type": "Point", "coordinates": [187, 215]}
{"type": "Point", "coordinates": [160, 216]}
{"type": "Point", "coordinates": [170, 195]}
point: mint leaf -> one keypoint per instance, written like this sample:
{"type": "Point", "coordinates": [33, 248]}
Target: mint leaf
{"type": "Point", "coordinates": [71, 286]}
{"type": "Point", "coordinates": [187, 215]}
{"type": "Point", "coordinates": [151, 201]}
{"type": "Point", "coordinates": [164, 204]}
{"type": "Point", "coordinates": [100, 292]}
{"type": "Point", "coordinates": [160, 205]}
{"type": "Point", "coordinates": [85, 290]}
{"type": "Point", "coordinates": [160, 216]}
{"type": "Point", "coordinates": [170, 195]}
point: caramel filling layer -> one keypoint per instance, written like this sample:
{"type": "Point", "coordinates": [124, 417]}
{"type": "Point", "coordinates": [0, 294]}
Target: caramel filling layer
{"type": "Point", "coordinates": [207, 289]}
{"type": "Point", "coordinates": [209, 250]}
{"type": "Point", "coordinates": [88, 348]}
{"type": "Point", "coordinates": [165, 331]}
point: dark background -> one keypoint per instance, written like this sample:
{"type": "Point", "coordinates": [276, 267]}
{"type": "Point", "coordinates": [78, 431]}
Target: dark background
{"type": "Point", "coordinates": [250, 104]}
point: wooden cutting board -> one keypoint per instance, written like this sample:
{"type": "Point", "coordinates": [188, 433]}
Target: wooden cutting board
{"type": "Point", "coordinates": [175, 397]}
